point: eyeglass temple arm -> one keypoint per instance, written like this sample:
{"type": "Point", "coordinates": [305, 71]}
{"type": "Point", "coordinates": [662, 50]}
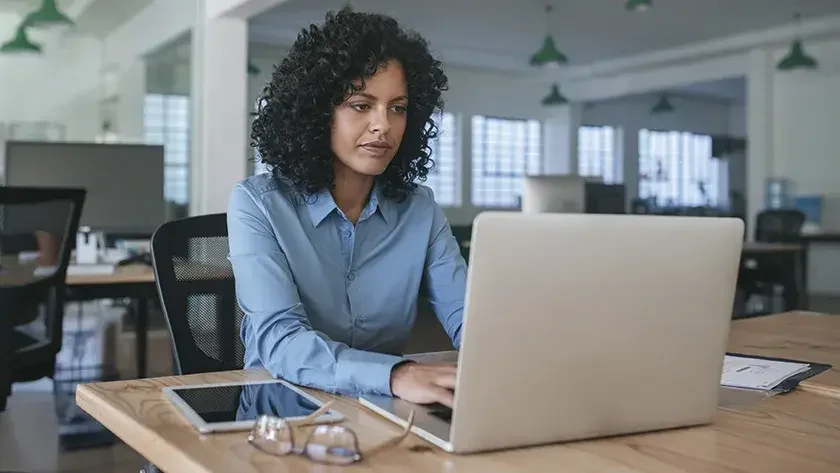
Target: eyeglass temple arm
{"type": "Point", "coordinates": [394, 441]}
{"type": "Point", "coordinates": [314, 415]}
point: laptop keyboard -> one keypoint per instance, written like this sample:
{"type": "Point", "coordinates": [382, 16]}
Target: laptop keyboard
{"type": "Point", "coordinates": [441, 412]}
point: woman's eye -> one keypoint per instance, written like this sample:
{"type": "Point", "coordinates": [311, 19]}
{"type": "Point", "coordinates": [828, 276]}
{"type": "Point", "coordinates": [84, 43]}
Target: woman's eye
{"type": "Point", "coordinates": [401, 109]}
{"type": "Point", "coordinates": [360, 106]}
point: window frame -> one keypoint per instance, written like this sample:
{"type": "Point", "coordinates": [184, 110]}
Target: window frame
{"type": "Point", "coordinates": [610, 172]}
{"type": "Point", "coordinates": [718, 197]}
{"type": "Point", "coordinates": [438, 179]}
{"type": "Point", "coordinates": [477, 166]}
{"type": "Point", "coordinates": [163, 126]}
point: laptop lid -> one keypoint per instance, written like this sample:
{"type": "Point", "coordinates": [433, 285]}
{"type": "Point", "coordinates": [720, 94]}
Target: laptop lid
{"type": "Point", "coordinates": [579, 326]}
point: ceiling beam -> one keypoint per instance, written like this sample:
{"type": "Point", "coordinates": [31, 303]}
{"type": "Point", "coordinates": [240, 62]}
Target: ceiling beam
{"type": "Point", "coordinates": [740, 43]}
{"type": "Point", "coordinates": [238, 8]}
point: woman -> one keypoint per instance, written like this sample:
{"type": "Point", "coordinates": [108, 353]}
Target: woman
{"type": "Point", "coordinates": [330, 248]}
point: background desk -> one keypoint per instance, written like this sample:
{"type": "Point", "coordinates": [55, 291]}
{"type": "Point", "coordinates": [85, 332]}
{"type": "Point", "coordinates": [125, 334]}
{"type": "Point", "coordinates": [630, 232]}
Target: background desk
{"type": "Point", "coordinates": [789, 256]}
{"type": "Point", "coordinates": [136, 282]}
{"type": "Point", "coordinates": [796, 432]}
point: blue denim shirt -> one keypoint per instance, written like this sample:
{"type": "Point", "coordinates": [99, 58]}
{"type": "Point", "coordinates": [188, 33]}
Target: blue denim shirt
{"type": "Point", "coordinates": [331, 305]}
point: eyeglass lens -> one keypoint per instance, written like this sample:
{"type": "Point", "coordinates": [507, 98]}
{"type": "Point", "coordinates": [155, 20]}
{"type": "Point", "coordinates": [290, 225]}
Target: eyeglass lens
{"type": "Point", "coordinates": [333, 444]}
{"type": "Point", "coordinates": [273, 436]}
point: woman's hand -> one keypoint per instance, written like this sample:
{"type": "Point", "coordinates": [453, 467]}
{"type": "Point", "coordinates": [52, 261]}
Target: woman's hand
{"type": "Point", "coordinates": [424, 383]}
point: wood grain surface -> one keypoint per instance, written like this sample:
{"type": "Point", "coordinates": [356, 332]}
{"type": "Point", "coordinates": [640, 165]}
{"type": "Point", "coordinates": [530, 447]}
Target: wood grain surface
{"type": "Point", "coordinates": [806, 336]}
{"type": "Point", "coordinates": [134, 273]}
{"type": "Point", "coordinates": [762, 247]}
{"type": "Point", "coordinates": [794, 432]}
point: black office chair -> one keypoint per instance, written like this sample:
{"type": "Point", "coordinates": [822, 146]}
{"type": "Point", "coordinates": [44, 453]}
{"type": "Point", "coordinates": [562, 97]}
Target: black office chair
{"type": "Point", "coordinates": [197, 294]}
{"type": "Point", "coordinates": [779, 225]}
{"type": "Point", "coordinates": [759, 277]}
{"type": "Point", "coordinates": [32, 292]}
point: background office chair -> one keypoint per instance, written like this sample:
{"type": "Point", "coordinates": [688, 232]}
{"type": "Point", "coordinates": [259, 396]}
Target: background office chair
{"type": "Point", "coordinates": [777, 225]}
{"type": "Point", "coordinates": [760, 276]}
{"type": "Point", "coordinates": [32, 303]}
{"type": "Point", "coordinates": [197, 294]}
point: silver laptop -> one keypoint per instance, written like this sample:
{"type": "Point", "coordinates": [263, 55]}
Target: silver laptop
{"type": "Point", "coordinates": [579, 326]}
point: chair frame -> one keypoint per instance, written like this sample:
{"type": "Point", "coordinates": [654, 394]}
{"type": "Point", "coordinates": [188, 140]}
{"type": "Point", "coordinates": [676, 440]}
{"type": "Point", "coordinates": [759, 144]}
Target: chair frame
{"type": "Point", "coordinates": [165, 243]}
{"type": "Point", "coordinates": [51, 287]}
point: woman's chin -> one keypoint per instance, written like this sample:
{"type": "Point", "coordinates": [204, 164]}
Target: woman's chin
{"type": "Point", "coordinates": [370, 166]}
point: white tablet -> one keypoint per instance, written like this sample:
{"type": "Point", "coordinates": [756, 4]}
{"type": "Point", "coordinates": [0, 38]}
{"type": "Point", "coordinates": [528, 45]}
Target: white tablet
{"type": "Point", "coordinates": [228, 407]}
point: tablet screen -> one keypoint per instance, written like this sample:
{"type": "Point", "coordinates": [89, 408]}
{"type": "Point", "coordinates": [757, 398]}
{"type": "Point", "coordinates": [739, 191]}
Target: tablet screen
{"type": "Point", "coordinates": [245, 402]}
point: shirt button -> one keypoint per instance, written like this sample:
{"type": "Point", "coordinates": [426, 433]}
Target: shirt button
{"type": "Point", "coordinates": [358, 322]}
{"type": "Point", "coordinates": [351, 275]}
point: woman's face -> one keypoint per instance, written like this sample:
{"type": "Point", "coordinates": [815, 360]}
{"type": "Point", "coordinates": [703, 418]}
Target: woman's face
{"type": "Point", "coordinates": [368, 127]}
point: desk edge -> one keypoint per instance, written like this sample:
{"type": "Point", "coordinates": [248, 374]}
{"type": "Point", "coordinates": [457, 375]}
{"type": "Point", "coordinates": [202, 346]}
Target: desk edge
{"type": "Point", "coordinates": [136, 435]}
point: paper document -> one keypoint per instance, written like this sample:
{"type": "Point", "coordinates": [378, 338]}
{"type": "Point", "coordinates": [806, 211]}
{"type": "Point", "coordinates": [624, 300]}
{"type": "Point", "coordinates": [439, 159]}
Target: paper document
{"type": "Point", "coordinates": [755, 373]}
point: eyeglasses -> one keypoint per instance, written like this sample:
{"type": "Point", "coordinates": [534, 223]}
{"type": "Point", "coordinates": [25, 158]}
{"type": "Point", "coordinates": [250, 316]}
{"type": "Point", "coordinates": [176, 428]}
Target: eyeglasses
{"type": "Point", "coordinates": [331, 444]}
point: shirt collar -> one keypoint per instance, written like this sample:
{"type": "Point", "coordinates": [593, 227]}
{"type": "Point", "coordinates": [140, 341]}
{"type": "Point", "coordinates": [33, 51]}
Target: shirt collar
{"type": "Point", "coordinates": [322, 204]}
{"type": "Point", "coordinates": [319, 206]}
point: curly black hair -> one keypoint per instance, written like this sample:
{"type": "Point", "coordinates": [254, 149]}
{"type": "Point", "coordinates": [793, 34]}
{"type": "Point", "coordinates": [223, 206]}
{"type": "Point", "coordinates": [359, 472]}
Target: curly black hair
{"type": "Point", "coordinates": [291, 131]}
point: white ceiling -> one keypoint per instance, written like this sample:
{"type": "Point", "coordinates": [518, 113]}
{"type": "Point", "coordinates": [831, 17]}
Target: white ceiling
{"type": "Point", "coordinates": [586, 30]}
{"type": "Point", "coordinates": [731, 90]}
{"type": "Point", "coordinates": [25, 6]}
{"type": "Point", "coordinates": [104, 16]}
{"type": "Point", "coordinates": [97, 19]}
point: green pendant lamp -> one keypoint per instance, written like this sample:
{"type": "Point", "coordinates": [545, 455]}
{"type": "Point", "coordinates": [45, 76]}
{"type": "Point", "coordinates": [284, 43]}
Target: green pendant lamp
{"type": "Point", "coordinates": [663, 106]}
{"type": "Point", "coordinates": [554, 97]}
{"type": "Point", "coordinates": [20, 43]}
{"type": "Point", "coordinates": [47, 15]}
{"type": "Point", "coordinates": [548, 53]}
{"type": "Point", "coordinates": [796, 58]}
{"type": "Point", "coordinates": [638, 5]}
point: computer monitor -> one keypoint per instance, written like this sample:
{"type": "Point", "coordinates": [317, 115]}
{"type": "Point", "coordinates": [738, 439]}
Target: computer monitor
{"type": "Point", "coordinates": [605, 198]}
{"type": "Point", "coordinates": [555, 194]}
{"type": "Point", "coordinates": [124, 182]}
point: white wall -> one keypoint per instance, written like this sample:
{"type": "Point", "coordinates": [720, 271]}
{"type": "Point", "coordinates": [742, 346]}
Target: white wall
{"type": "Point", "coordinates": [805, 147]}
{"type": "Point", "coordinates": [693, 114]}
{"type": "Point", "coordinates": [738, 163]}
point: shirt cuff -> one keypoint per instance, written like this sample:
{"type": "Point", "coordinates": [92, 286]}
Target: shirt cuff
{"type": "Point", "coordinates": [365, 372]}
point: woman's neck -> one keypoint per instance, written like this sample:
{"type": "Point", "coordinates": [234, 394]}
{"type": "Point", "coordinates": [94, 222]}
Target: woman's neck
{"type": "Point", "coordinates": [351, 192]}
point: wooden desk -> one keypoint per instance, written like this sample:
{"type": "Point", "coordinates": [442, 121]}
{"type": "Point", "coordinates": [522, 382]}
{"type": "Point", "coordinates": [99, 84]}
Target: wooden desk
{"type": "Point", "coordinates": [791, 257]}
{"type": "Point", "coordinates": [762, 247]}
{"type": "Point", "coordinates": [136, 282]}
{"type": "Point", "coordinates": [131, 274]}
{"type": "Point", "coordinates": [799, 431]}
{"type": "Point", "coordinates": [790, 433]}
{"type": "Point", "coordinates": [806, 336]}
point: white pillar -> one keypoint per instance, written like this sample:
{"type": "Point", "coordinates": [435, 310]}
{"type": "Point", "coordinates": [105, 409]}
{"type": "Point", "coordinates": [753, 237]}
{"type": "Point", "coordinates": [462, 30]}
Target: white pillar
{"type": "Point", "coordinates": [560, 138]}
{"type": "Point", "coordinates": [220, 108]}
{"type": "Point", "coordinates": [132, 93]}
{"type": "Point", "coordinates": [759, 132]}
{"type": "Point", "coordinates": [629, 152]}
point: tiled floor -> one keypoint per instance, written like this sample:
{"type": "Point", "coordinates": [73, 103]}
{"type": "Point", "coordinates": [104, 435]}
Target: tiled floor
{"type": "Point", "coordinates": [29, 427]}
{"type": "Point", "coordinates": [29, 442]}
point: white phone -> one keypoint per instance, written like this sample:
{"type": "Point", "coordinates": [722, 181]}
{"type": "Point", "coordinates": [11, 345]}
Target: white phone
{"type": "Point", "coordinates": [227, 407]}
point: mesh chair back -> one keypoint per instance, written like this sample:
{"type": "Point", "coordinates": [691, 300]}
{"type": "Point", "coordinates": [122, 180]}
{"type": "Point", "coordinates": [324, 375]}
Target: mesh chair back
{"type": "Point", "coordinates": [32, 286]}
{"type": "Point", "coordinates": [779, 225]}
{"type": "Point", "coordinates": [197, 293]}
